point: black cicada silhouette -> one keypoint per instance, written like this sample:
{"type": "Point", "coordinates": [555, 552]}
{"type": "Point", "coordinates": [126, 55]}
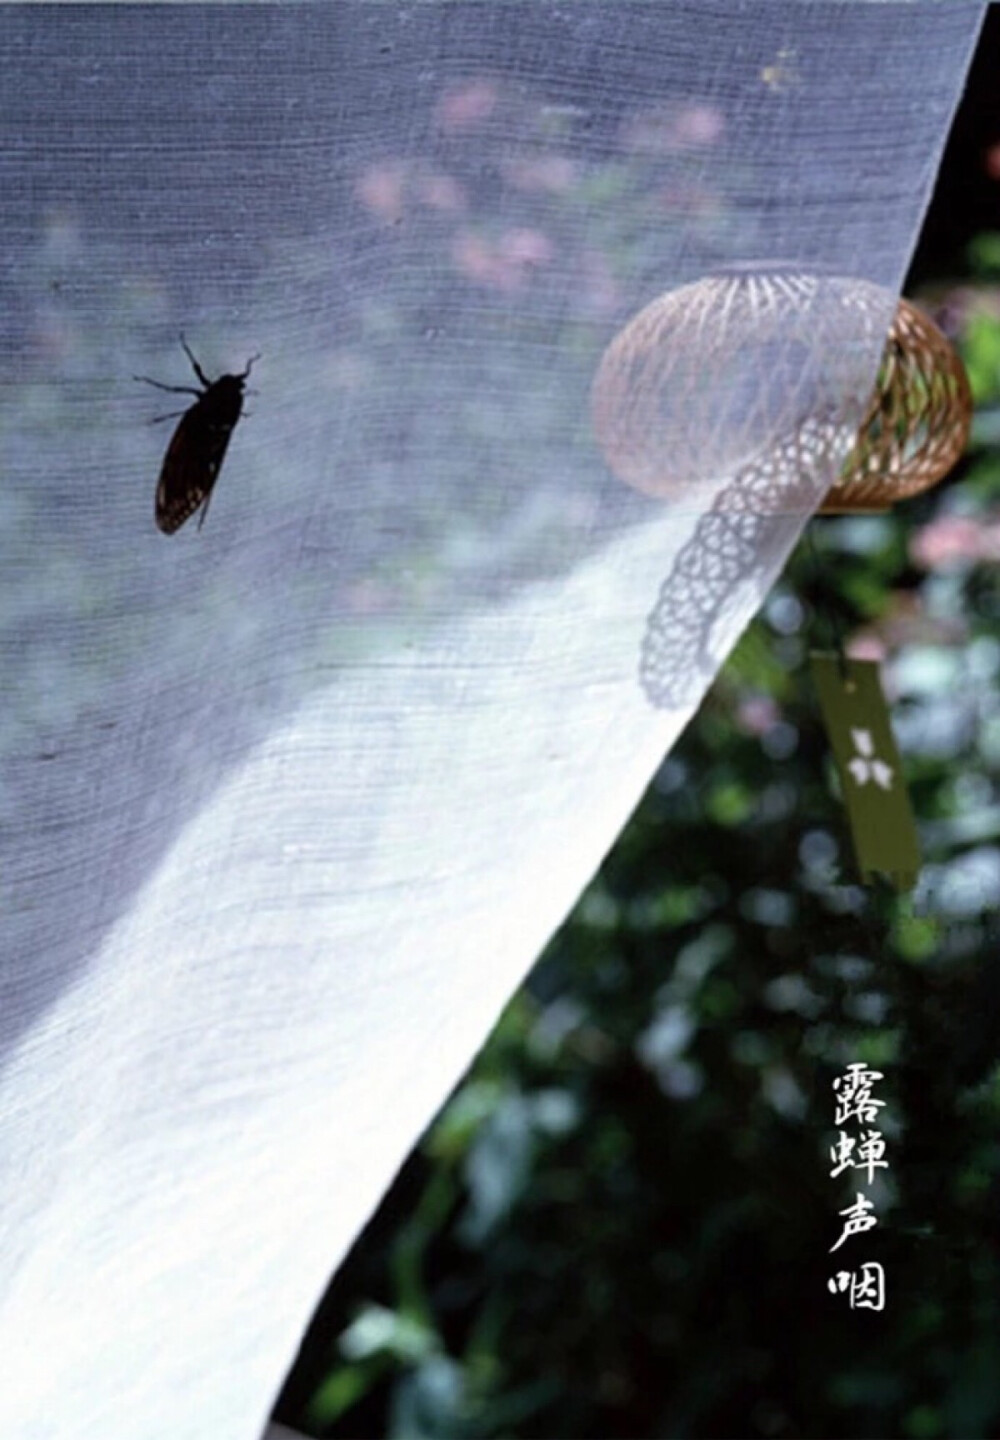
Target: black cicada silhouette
{"type": "Point", "coordinates": [198, 446]}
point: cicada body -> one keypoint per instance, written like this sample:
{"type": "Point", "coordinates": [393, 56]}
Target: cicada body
{"type": "Point", "coordinates": [198, 446]}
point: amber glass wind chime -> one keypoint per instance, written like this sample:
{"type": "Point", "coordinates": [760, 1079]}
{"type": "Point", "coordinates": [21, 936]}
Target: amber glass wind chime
{"type": "Point", "coordinates": [739, 395]}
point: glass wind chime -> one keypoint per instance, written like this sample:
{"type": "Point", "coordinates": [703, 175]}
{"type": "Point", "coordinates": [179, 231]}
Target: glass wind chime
{"type": "Point", "coordinates": [736, 395]}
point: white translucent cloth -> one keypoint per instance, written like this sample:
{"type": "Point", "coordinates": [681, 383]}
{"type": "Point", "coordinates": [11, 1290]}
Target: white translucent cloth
{"type": "Point", "coordinates": [289, 804]}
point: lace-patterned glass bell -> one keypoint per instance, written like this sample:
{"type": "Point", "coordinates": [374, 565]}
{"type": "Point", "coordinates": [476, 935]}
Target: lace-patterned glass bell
{"type": "Point", "coordinates": [710, 381]}
{"type": "Point", "coordinates": [917, 423]}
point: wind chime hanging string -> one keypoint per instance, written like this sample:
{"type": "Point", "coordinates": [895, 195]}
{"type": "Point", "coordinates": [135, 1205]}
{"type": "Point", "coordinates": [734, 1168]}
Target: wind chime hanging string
{"type": "Point", "coordinates": [914, 430]}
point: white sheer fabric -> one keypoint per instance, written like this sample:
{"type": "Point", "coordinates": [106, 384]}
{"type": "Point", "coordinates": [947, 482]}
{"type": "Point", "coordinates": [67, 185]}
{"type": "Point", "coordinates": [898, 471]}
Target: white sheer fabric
{"type": "Point", "coordinates": [291, 803]}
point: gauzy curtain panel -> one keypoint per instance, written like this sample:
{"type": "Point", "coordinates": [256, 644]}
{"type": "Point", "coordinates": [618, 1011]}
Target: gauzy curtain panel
{"type": "Point", "coordinates": [290, 799]}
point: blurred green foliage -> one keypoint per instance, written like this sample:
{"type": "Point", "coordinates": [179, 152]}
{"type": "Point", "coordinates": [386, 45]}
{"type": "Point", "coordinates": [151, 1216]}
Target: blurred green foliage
{"type": "Point", "coordinates": [620, 1225]}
